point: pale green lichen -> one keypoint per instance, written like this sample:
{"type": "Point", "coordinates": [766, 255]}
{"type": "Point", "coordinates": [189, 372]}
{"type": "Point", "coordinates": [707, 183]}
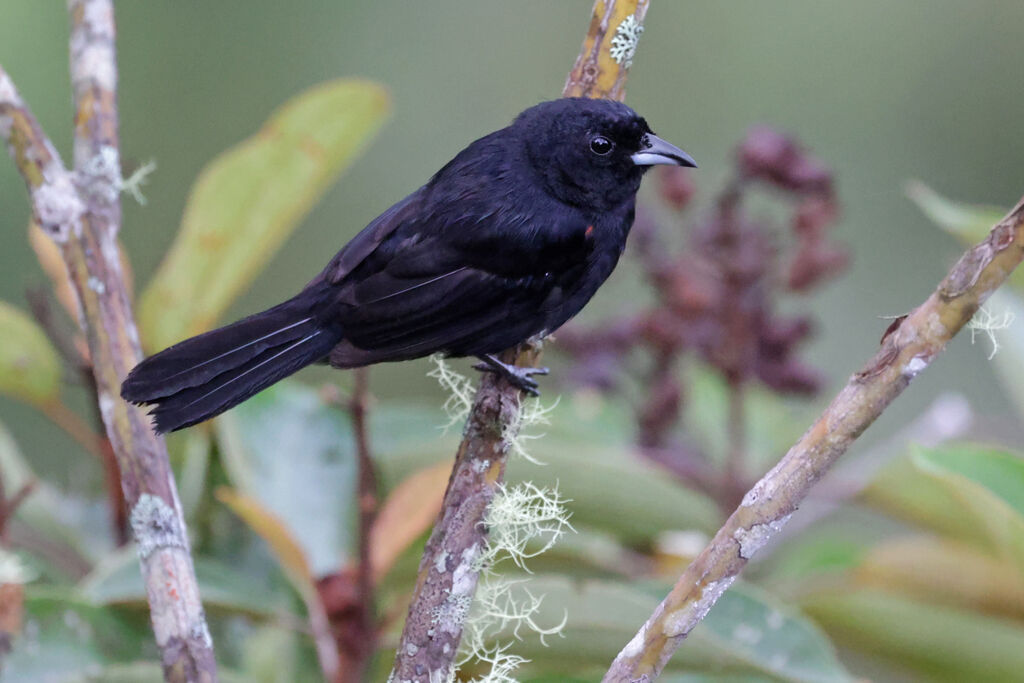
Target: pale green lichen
{"type": "Point", "coordinates": [458, 387]}
{"type": "Point", "coordinates": [132, 185]}
{"type": "Point", "coordinates": [988, 323]}
{"type": "Point", "coordinates": [505, 606]}
{"type": "Point", "coordinates": [624, 42]}
{"type": "Point", "coordinates": [515, 433]}
{"type": "Point", "coordinates": [524, 521]}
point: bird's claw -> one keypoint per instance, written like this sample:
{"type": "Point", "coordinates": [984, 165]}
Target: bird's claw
{"type": "Point", "coordinates": [520, 377]}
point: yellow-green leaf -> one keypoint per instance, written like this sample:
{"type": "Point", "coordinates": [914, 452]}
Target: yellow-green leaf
{"type": "Point", "coordinates": [935, 642]}
{"type": "Point", "coordinates": [29, 365]}
{"type": "Point", "coordinates": [942, 571]}
{"type": "Point", "coordinates": [985, 486]}
{"type": "Point", "coordinates": [969, 222]}
{"type": "Point", "coordinates": [295, 565]}
{"type": "Point", "coordinates": [1004, 342]}
{"type": "Point", "coordinates": [247, 201]}
{"type": "Point", "coordinates": [408, 511]}
{"type": "Point", "coordinates": [272, 530]}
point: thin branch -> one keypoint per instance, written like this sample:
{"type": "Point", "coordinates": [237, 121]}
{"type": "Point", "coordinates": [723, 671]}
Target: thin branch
{"type": "Point", "coordinates": [907, 348]}
{"type": "Point", "coordinates": [81, 211]}
{"type": "Point", "coordinates": [92, 441]}
{"type": "Point", "coordinates": [8, 506]}
{"type": "Point", "coordinates": [948, 418]}
{"type": "Point", "coordinates": [448, 571]}
{"type": "Point", "coordinates": [359, 648]}
{"type": "Point", "coordinates": [42, 311]}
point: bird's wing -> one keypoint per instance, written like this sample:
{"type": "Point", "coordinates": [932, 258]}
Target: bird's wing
{"type": "Point", "coordinates": [369, 238]}
{"type": "Point", "coordinates": [423, 300]}
{"type": "Point", "coordinates": [453, 266]}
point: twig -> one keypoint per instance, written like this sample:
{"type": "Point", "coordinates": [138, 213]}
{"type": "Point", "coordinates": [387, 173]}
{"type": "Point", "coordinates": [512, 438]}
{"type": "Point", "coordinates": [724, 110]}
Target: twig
{"type": "Point", "coordinates": [8, 506]}
{"type": "Point", "coordinates": [39, 305]}
{"type": "Point", "coordinates": [361, 646]}
{"type": "Point", "coordinates": [92, 441]}
{"type": "Point", "coordinates": [907, 348]}
{"type": "Point", "coordinates": [948, 418]}
{"type": "Point", "coordinates": [58, 554]}
{"type": "Point", "coordinates": [448, 571]}
{"type": "Point", "coordinates": [81, 212]}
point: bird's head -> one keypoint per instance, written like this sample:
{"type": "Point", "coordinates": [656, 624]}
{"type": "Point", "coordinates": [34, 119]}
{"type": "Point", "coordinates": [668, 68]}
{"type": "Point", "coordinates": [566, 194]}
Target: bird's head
{"type": "Point", "coordinates": [590, 152]}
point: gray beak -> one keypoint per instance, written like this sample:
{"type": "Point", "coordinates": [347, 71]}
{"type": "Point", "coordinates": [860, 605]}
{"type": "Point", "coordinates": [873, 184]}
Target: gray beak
{"type": "Point", "coordinates": [656, 151]}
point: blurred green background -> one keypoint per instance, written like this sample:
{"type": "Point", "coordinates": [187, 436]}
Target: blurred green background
{"type": "Point", "coordinates": [883, 92]}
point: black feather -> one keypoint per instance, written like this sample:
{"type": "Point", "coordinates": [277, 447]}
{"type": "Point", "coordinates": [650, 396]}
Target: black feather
{"type": "Point", "coordinates": [510, 239]}
{"type": "Point", "coordinates": [205, 375]}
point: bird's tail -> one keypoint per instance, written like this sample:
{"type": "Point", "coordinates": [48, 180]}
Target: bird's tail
{"type": "Point", "coordinates": [201, 377]}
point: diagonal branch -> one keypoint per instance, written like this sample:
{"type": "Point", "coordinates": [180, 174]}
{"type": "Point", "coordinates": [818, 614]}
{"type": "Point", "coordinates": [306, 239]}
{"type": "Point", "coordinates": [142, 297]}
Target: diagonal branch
{"type": "Point", "coordinates": [81, 212]}
{"type": "Point", "coordinates": [907, 348]}
{"type": "Point", "coordinates": [448, 571]}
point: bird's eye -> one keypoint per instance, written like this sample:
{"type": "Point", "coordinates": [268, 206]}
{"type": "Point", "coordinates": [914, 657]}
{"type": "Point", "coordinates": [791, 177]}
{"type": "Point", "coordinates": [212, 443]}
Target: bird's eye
{"type": "Point", "coordinates": [600, 145]}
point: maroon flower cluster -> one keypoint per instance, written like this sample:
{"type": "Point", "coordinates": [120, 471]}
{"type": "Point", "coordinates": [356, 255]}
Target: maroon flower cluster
{"type": "Point", "coordinates": [716, 298]}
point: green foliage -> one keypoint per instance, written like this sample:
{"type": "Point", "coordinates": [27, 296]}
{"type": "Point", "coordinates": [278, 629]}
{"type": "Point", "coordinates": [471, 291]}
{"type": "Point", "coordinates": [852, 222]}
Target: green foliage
{"type": "Point", "coordinates": [943, 601]}
{"type": "Point", "coordinates": [934, 642]}
{"type": "Point", "coordinates": [247, 202]}
{"type": "Point", "coordinates": [293, 453]}
{"type": "Point", "coordinates": [933, 592]}
{"type": "Point", "coordinates": [748, 633]}
{"type": "Point", "coordinates": [29, 365]}
{"type": "Point", "coordinates": [968, 222]}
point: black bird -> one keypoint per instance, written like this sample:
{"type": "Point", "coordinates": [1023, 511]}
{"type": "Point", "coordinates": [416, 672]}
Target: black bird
{"type": "Point", "coordinates": [509, 240]}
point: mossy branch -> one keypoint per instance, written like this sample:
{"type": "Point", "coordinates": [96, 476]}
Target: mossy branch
{"type": "Point", "coordinates": [449, 570]}
{"type": "Point", "coordinates": [908, 347]}
{"type": "Point", "coordinates": [81, 211]}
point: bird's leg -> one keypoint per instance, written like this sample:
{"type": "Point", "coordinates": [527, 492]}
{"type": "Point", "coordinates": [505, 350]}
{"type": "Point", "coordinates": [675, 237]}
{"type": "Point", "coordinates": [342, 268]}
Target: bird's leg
{"type": "Point", "coordinates": [518, 376]}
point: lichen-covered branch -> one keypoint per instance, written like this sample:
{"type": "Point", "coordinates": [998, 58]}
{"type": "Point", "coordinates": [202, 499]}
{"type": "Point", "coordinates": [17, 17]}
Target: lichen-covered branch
{"type": "Point", "coordinates": [608, 48]}
{"type": "Point", "coordinates": [907, 348]}
{"type": "Point", "coordinates": [449, 569]}
{"type": "Point", "coordinates": [81, 211]}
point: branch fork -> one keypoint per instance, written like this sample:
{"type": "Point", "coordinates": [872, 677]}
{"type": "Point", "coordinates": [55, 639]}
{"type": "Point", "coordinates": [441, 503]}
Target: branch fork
{"type": "Point", "coordinates": [81, 211]}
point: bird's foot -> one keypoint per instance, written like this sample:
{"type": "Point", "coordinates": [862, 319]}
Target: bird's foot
{"type": "Point", "coordinates": [518, 376]}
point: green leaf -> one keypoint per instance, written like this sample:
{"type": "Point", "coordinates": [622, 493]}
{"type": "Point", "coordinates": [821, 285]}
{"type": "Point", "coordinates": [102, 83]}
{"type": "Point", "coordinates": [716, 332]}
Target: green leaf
{"type": "Point", "coordinates": [128, 672]}
{"type": "Point", "coordinates": [47, 510]}
{"type": "Point", "coordinates": [770, 636]}
{"type": "Point", "coordinates": [287, 551]}
{"type": "Point", "coordinates": [68, 636]}
{"type": "Point", "coordinates": [985, 486]}
{"type": "Point", "coordinates": [610, 487]}
{"type": "Point", "coordinates": [941, 643]}
{"type": "Point", "coordinates": [901, 490]}
{"type": "Point", "coordinates": [277, 535]}
{"type": "Point", "coordinates": [969, 222]}
{"type": "Point", "coordinates": [615, 490]}
{"type": "Point", "coordinates": [999, 472]}
{"type": "Point", "coordinates": [941, 571]}
{"type": "Point", "coordinates": [747, 632]}
{"type": "Point", "coordinates": [270, 655]}
{"type": "Point", "coordinates": [1006, 306]}
{"type": "Point", "coordinates": [116, 581]}
{"type": "Point", "coordinates": [29, 365]}
{"type": "Point", "coordinates": [289, 450]}
{"type": "Point", "coordinates": [247, 201]}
